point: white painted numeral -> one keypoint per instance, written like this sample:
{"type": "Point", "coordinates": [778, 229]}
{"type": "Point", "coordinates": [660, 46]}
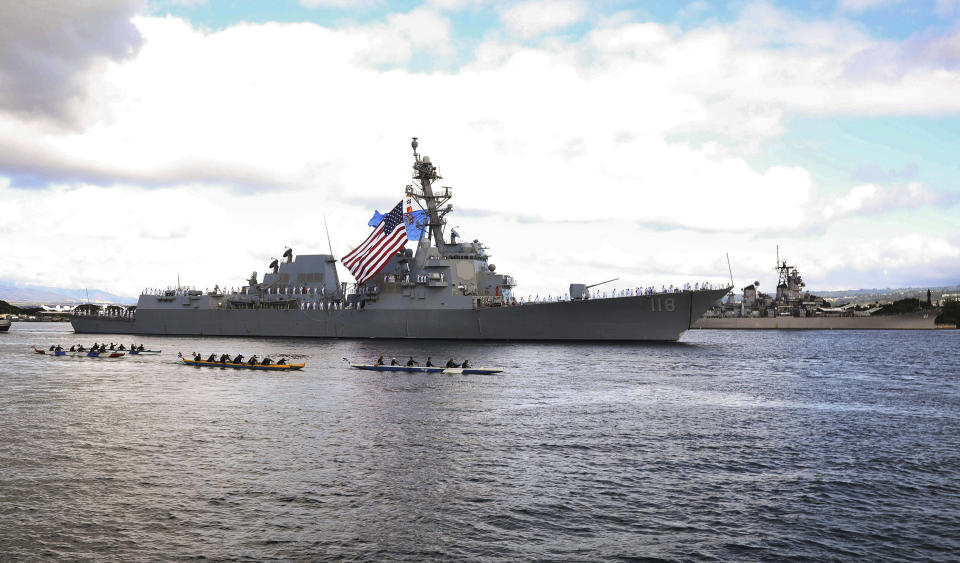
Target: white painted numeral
{"type": "Point", "coordinates": [660, 305]}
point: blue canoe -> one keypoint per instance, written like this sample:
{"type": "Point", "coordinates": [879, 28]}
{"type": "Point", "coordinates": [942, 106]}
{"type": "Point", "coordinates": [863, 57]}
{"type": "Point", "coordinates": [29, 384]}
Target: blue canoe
{"type": "Point", "coordinates": [434, 369]}
{"type": "Point", "coordinates": [106, 354]}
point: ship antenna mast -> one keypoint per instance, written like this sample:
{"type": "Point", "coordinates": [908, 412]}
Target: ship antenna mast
{"type": "Point", "coordinates": [782, 270]}
{"type": "Point", "coordinates": [729, 269]}
{"type": "Point", "coordinates": [426, 174]}
{"type": "Point", "coordinates": [329, 244]}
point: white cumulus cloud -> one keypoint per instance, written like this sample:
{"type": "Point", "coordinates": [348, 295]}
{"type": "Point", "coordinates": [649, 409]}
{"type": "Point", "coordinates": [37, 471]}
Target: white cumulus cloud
{"type": "Point", "coordinates": [625, 151]}
{"type": "Point", "coordinates": [536, 17]}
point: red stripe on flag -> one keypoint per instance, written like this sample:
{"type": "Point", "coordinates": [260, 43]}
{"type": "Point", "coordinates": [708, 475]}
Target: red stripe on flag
{"type": "Point", "coordinates": [361, 250]}
{"type": "Point", "coordinates": [373, 259]}
{"type": "Point", "coordinates": [378, 266]}
{"type": "Point", "coordinates": [368, 259]}
{"type": "Point", "coordinates": [380, 255]}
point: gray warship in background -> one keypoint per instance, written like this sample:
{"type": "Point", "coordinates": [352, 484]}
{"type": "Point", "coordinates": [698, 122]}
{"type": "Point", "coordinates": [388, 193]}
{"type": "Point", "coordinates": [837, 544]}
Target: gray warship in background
{"type": "Point", "coordinates": [793, 308]}
{"type": "Point", "coordinates": [445, 290]}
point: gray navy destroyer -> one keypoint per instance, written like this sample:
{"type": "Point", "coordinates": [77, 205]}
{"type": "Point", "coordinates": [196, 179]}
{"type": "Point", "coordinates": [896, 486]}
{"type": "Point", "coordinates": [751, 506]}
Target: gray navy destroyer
{"type": "Point", "coordinates": [446, 289]}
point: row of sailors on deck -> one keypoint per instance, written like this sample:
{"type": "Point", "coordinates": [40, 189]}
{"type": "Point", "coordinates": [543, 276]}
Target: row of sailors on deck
{"type": "Point", "coordinates": [248, 290]}
{"type": "Point", "coordinates": [226, 359]}
{"type": "Point", "coordinates": [108, 312]}
{"type": "Point", "coordinates": [323, 305]}
{"type": "Point", "coordinates": [419, 278]}
{"type": "Point", "coordinates": [411, 363]}
{"type": "Point", "coordinates": [650, 290]}
{"type": "Point", "coordinates": [423, 278]}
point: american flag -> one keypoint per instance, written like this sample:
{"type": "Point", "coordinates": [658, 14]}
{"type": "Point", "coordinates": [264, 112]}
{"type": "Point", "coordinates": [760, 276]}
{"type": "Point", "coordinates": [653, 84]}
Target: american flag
{"type": "Point", "coordinates": [366, 260]}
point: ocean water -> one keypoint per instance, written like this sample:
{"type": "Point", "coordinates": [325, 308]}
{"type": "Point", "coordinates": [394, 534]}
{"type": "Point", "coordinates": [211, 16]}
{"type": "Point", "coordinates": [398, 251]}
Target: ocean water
{"type": "Point", "coordinates": [729, 445]}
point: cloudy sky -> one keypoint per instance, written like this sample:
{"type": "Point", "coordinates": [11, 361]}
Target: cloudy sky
{"type": "Point", "coordinates": [643, 140]}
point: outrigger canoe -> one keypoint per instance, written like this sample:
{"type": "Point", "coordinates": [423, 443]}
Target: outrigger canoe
{"type": "Point", "coordinates": [85, 353]}
{"type": "Point", "coordinates": [271, 367]}
{"type": "Point", "coordinates": [138, 352]}
{"type": "Point", "coordinates": [434, 369]}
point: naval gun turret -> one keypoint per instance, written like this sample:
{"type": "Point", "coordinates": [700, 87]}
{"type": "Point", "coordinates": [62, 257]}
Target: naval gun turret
{"type": "Point", "coordinates": [579, 291]}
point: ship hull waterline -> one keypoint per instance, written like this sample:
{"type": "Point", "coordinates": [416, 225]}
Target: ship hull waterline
{"type": "Point", "coordinates": [908, 321]}
{"type": "Point", "coordinates": [657, 317]}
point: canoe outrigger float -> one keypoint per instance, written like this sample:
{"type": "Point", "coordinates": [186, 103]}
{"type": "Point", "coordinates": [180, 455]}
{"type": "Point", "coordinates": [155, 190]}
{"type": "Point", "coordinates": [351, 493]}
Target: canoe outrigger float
{"type": "Point", "coordinates": [434, 369]}
{"type": "Point", "coordinates": [271, 367]}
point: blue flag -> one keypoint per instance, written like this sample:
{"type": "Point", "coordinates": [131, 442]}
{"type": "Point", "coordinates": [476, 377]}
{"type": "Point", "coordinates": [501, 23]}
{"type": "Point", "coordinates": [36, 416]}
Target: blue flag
{"type": "Point", "coordinates": [415, 223]}
{"type": "Point", "coordinates": [377, 217]}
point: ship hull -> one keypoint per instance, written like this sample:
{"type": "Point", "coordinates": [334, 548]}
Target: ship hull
{"type": "Point", "coordinates": [660, 317]}
{"type": "Point", "coordinates": [910, 321]}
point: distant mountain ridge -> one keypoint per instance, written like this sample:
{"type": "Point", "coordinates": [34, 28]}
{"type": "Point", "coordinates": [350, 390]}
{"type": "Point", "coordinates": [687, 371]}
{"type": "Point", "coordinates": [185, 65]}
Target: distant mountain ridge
{"type": "Point", "coordinates": [886, 294]}
{"type": "Point", "coordinates": [18, 294]}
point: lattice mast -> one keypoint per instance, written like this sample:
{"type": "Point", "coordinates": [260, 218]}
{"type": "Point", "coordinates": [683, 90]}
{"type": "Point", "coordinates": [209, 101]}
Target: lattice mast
{"type": "Point", "coordinates": [435, 202]}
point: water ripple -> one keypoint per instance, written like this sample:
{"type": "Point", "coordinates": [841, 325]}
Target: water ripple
{"type": "Point", "coordinates": [731, 446]}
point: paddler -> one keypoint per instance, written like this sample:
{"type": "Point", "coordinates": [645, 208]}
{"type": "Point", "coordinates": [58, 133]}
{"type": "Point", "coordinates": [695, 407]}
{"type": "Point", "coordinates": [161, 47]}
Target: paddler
{"type": "Point", "coordinates": [394, 362]}
{"type": "Point", "coordinates": [266, 362]}
{"type": "Point", "coordinates": [253, 360]}
{"type": "Point", "coordinates": [451, 363]}
{"type": "Point", "coordinates": [379, 361]}
{"type": "Point", "coordinates": [224, 358]}
{"type": "Point", "coordinates": [429, 362]}
{"type": "Point", "coordinates": [238, 359]}
{"type": "Point", "coordinates": [282, 362]}
{"type": "Point", "coordinates": [465, 364]}
{"type": "Point", "coordinates": [212, 358]}
{"type": "Point", "coordinates": [411, 362]}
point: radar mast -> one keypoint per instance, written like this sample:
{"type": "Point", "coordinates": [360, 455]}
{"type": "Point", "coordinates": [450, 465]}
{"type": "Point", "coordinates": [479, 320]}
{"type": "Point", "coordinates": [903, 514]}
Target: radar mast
{"type": "Point", "coordinates": [424, 175]}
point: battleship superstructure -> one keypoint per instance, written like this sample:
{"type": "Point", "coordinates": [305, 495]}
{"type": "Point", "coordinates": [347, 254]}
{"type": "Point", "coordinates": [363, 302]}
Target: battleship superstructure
{"type": "Point", "coordinates": [447, 289]}
{"type": "Point", "coordinates": [790, 300]}
{"type": "Point", "coordinates": [794, 309]}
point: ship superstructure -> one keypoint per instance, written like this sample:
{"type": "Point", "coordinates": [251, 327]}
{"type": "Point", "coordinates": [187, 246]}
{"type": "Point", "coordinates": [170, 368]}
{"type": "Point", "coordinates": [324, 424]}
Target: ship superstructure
{"type": "Point", "coordinates": [444, 288]}
{"type": "Point", "coordinates": [792, 307]}
{"type": "Point", "coordinates": [791, 299]}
